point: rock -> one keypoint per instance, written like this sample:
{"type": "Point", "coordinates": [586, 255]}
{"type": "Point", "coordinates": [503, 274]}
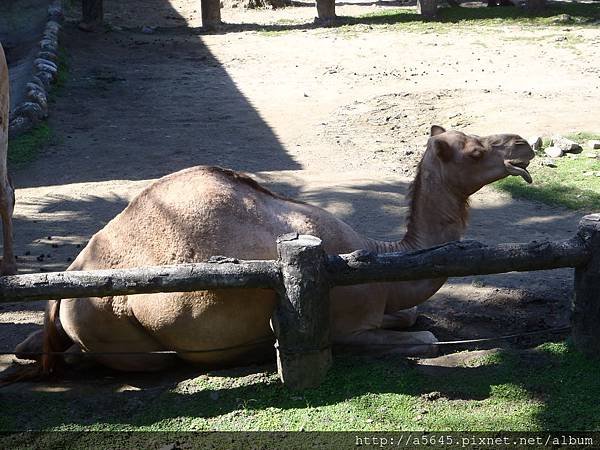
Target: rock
{"type": "Point", "coordinates": [19, 125]}
{"type": "Point", "coordinates": [535, 142]}
{"type": "Point", "coordinates": [595, 144]}
{"type": "Point", "coordinates": [36, 96]}
{"type": "Point", "coordinates": [566, 145]}
{"type": "Point", "coordinates": [53, 26]}
{"type": "Point", "coordinates": [31, 110]}
{"type": "Point", "coordinates": [148, 30]}
{"type": "Point", "coordinates": [553, 152]}
{"type": "Point", "coordinates": [48, 56]}
{"type": "Point", "coordinates": [49, 45]}
{"type": "Point", "coordinates": [46, 78]}
{"type": "Point", "coordinates": [45, 62]}
{"type": "Point", "coordinates": [548, 162]}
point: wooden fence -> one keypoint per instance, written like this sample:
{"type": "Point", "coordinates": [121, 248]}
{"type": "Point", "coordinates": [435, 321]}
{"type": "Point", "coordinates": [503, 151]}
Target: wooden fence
{"type": "Point", "coordinates": [303, 276]}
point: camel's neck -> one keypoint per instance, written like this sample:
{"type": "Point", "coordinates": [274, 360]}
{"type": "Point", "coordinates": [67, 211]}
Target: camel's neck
{"type": "Point", "coordinates": [436, 214]}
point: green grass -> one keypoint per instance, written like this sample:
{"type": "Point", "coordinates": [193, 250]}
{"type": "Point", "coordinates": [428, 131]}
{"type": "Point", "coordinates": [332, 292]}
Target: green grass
{"type": "Point", "coordinates": [580, 14]}
{"type": "Point", "coordinates": [24, 148]}
{"type": "Point", "coordinates": [553, 388]}
{"type": "Point", "coordinates": [572, 183]}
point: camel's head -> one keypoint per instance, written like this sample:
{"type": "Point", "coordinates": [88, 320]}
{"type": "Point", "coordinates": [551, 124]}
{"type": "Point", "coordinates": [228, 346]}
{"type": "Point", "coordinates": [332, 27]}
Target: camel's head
{"type": "Point", "coordinates": [470, 162]}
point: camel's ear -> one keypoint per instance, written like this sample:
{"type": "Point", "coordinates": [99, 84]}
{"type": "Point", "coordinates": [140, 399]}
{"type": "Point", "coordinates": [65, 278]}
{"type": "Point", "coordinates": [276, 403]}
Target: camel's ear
{"type": "Point", "coordinates": [443, 150]}
{"type": "Point", "coordinates": [436, 129]}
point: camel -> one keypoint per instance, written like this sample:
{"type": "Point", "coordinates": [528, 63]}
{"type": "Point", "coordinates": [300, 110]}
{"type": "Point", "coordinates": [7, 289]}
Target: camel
{"type": "Point", "coordinates": [199, 212]}
{"type": "Point", "coordinates": [7, 193]}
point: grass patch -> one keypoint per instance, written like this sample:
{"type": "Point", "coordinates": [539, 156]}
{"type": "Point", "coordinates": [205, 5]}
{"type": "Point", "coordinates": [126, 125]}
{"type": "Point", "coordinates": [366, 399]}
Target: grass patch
{"type": "Point", "coordinates": [24, 148]}
{"type": "Point", "coordinates": [552, 388]}
{"type": "Point", "coordinates": [557, 13]}
{"type": "Point", "coordinates": [574, 182]}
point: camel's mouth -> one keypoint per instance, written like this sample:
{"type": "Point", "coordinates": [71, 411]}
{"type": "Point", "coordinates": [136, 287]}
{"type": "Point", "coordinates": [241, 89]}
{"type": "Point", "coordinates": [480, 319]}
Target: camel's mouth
{"type": "Point", "coordinates": [519, 168]}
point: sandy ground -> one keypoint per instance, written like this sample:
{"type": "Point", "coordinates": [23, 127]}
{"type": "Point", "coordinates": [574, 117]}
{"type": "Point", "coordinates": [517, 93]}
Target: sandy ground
{"type": "Point", "coordinates": [335, 117]}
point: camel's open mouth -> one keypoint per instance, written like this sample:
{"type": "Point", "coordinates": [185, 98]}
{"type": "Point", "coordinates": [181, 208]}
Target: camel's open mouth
{"type": "Point", "coordinates": [518, 168]}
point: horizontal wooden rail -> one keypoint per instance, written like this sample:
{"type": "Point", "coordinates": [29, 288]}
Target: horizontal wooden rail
{"type": "Point", "coordinates": [224, 273]}
{"type": "Point", "coordinates": [457, 259]}
{"type": "Point", "coordinates": [462, 258]}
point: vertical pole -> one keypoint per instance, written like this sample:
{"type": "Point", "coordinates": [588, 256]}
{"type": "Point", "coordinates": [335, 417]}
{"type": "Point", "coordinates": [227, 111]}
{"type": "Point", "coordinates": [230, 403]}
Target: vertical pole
{"type": "Point", "coordinates": [325, 11]}
{"type": "Point", "coordinates": [586, 303]}
{"type": "Point", "coordinates": [211, 13]}
{"type": "Point", "coordinates": [301, 320]}
{"type": "Point", "coordinates": [427, 8]}
{"type": "Point", "coordinates": [92, 13]}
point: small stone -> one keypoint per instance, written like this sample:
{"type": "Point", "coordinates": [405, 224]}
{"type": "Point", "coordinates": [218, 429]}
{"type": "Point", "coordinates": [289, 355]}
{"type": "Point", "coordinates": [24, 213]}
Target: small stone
{"type": "Point", "coordinates": [535, 142]}
{"type": "Point", "coordinates": [19, 124]}
{"type": "Point", "coordinates": [38, 97]}
{"type": "Point", "coordinates": [46, 78]}
{"type": "Point", "coordinates": [45, 62]}
{"type": "Point", "coordinates": [547, 162]}
{"type": "Point", "coordinates": [148, 30]}
{"type": "Point", "coordinates": [595, 144]}
{"type": "Point", "coordinates": [553, 152]}
{"type": "Point", "coordinates": [566, 145]}
{"type": "Point", "coordinates": [48, 56]}
{"type": "Point", "coordinates": [31, 110]}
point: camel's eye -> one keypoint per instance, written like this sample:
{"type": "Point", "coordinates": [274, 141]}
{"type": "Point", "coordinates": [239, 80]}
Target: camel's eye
{"type": "Point", "coordinates": [476, 153]}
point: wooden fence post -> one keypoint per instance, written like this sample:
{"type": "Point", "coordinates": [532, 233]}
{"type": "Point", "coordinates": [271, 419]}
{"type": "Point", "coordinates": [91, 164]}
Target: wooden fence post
{"type": "Point", "coordinates": [211, 13]}
{"type": "Point", "coordinates": [325, 11]}
{"type": "Point", "coordinates": [586, 303]}
{"type": "Point", "coordinates": [427, 8]}
{"type": "Point", "coordinates": [92, 13]}
{"type": "Point", "coordinates": [301, 320]}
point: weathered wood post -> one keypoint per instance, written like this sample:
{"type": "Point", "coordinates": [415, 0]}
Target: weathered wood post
{"type": "Point", "coordinates": [211, 13]}
{"type": "Point", "coordinates": [301, 320]}
{"type": "Point", "coordinates": [427, 8]}
{"type": "Point", "coordinates": [325, 11]}
{"type": "Point", "coordinates": [586, 303]}
{"type": "Point", "coordinates": [92, 13]}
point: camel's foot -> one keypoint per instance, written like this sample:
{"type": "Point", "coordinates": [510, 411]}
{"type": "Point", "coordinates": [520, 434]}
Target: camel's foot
{"type": "Point", "coordinates": [405, 318]}
{"type": "Point", "coordinates": [31, 347]}
{"type": "Point", "coordinates": [390, 342]}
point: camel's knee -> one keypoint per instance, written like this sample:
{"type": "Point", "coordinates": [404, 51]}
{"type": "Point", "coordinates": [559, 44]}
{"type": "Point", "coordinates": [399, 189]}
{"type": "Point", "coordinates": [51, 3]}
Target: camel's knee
{"type": "Point", "coordinates": [31, 347]}
{"type": "Point", "coordinates": [404, 318]}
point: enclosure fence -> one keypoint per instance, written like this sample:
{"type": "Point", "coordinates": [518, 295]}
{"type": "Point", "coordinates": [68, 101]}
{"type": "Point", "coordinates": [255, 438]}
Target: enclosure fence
{"type": "Point", "coordinates": [304, 274]}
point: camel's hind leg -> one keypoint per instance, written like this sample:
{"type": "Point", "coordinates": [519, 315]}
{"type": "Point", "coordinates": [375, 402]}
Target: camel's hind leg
{"type": "Point", "coordinates": [404, 343]}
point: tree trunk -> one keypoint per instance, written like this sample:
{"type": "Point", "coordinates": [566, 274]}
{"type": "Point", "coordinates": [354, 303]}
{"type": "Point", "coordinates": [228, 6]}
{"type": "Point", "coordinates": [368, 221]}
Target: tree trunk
{"type": "Point", "coordinates": [536, 5]}
{"type": "Point", "coordinates": [92, 13]}
{"type": "Point", "coordinates": [586, 303]}
{"type": "Point", "coordinates": [427, 8]}
{"type": "Point", "coordinates": [211, 13]}
{"type": "Point", "coordinates": [326, 10]}
{"type": "Point", "coordinates": [301, 320]}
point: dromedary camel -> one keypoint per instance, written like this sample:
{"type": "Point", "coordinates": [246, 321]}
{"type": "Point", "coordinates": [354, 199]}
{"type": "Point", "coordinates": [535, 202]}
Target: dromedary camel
{"type": "Point", "coordinates": [193, 214]}
{"type": "Point", "coordinates": [7, 194]}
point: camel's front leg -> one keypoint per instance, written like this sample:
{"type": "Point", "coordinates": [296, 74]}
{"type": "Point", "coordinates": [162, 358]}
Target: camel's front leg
{"type": "Point", "coordinates": [390, 342]}
{"type": "Point", "coordinates": [404, 318]}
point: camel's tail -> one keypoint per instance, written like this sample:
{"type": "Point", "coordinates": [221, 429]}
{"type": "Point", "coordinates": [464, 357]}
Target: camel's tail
{"type": "Point", "coordinates": [54, 341]}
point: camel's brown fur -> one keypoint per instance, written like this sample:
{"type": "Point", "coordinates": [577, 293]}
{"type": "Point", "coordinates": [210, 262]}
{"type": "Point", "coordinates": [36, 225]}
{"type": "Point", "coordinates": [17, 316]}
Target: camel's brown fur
{"type": "Point", "coordinates": [202, 211]}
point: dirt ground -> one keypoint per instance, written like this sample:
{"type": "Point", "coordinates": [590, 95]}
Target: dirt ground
{"type": "Point", "coordinates": [336, 117]}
